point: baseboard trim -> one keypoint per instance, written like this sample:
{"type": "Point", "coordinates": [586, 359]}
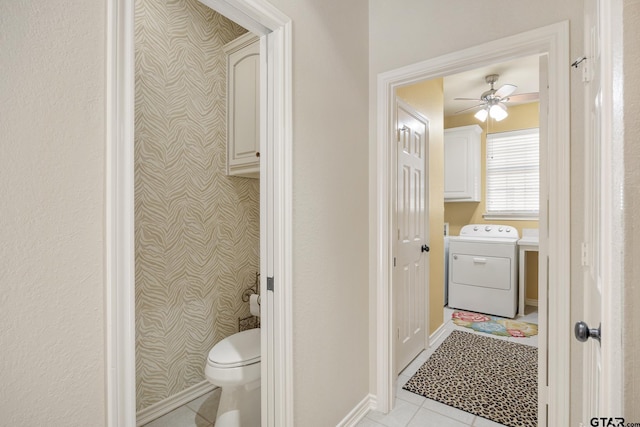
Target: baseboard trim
{"type": "Point", "coordinates": [359, 412]}
{"type": "Point", "coordinates": [437, 335]}
{"type": "Point", "coordinates": [530, 301]}
{"type": "Point", "coordinates": [167, 405]}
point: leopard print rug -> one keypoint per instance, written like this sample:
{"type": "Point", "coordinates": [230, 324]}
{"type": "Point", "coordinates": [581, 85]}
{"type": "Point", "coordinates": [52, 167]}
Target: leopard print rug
{"type": "Point", "coordinates": [488, 377]}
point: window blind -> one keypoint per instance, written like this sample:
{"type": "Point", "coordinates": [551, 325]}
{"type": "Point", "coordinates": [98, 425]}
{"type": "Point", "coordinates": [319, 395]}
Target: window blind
{"type": "Point", "coordinates": [513, 173]}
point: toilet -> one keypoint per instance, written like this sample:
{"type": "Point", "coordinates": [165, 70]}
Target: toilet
{"type": "Point", "coordinates": [234, 365]}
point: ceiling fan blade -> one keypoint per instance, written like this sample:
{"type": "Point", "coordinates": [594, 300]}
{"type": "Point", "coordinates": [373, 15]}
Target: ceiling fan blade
{"type": "Point", "coordinates": [523, 97]}
{"type": "Point", "coordinates": [470, 108]}
{"type": "Point", "coordinates": [466, 99]}
{"type": "Point", "coordinates": [505, 91]}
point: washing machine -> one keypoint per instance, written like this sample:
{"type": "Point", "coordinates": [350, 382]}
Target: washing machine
{"type": "Point", "coordinates": [483, 269]}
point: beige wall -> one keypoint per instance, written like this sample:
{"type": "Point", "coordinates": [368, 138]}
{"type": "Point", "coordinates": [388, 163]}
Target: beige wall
{"type": "Point", "coordinates": [197, 233]}
{"type": "Point", "coordinates": [330, 208]}
{"type": "Point", "coordinates": [459, 214]}
{"type": "Point", "coordinates": [427, 98]}
{"type": "Point", "coordinates": [52, 128]}
{"type": "Point", "coordinates": [631, 313]}
{"type": "Point", "coordinates": [405, 32]}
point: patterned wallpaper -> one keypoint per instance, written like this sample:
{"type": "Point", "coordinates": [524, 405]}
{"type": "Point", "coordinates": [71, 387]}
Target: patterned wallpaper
{"type": "Point", "coordinates": [196, 230]}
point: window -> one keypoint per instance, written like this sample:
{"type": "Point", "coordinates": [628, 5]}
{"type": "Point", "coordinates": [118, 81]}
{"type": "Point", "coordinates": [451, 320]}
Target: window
{"type": "Point", "coordinates": [513, 175]}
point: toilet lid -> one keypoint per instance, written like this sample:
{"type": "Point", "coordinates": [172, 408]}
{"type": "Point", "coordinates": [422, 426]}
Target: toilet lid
{"type": "Point", "coordinates": [236, 350]}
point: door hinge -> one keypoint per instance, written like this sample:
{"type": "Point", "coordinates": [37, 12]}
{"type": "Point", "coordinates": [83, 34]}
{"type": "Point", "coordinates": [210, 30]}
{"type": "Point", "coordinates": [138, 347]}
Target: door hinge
{"type": "Point", "coordinates": [394, 261]}
{"type": "Point", "coordinates": [270, 284]}
{"type": "Point", "coordinates": [584, 254]}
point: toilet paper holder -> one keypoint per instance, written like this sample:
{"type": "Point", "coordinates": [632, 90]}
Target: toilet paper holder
{"type": "Point", "coordinates": [254, 289]}
{"type": "Point", "coordinates": [250, 322]}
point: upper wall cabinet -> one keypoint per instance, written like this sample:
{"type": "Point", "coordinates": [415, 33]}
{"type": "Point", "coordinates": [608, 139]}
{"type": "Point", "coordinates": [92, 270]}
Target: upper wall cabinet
{"type": "Point", "coordinates": [462, 164]}
{"type": "Point", "coordinates": [243, 106]}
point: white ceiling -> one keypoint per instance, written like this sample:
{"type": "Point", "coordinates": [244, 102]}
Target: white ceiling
{"type": "Point", "coordinates": [522, 72]}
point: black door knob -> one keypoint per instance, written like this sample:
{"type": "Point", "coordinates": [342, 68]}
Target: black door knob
{"type": "Point", "coordinates": [424, 248]}
{"type": "Point", "coordinates": [583, 332]}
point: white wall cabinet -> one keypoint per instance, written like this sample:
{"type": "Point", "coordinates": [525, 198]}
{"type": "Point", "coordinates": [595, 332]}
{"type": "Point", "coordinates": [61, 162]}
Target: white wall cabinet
{"type": "Point", "coordinates": [243, 106]}
{"type": "Point", "coordinates": [462, 178]}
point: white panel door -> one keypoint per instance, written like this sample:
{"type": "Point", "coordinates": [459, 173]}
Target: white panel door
{"type": "Point", "coordinates": [411, 272]}
{"type": "Point", "coordinates": [592, 254]}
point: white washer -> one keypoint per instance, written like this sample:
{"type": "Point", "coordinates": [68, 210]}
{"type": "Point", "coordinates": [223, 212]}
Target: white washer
{"type": "Point", "coordinates": [483, 269]}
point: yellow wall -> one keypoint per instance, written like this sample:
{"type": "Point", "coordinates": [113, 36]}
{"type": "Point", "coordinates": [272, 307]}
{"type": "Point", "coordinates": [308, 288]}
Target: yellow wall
{"type": "Point", "coordinates": [458, 214]}
{"type": "Point", "coordinates": [427, 97]}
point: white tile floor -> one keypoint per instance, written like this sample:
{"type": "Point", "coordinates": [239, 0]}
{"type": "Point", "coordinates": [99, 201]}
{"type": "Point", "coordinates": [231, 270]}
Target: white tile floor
{"type": "Point", "coordinates": [411, 410]}
{"type": "Point", "coordinates": [200, 412]}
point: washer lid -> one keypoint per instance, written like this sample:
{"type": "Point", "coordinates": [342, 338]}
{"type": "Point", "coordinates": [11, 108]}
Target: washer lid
{"type": "Point", "coordinates": [236, 350]}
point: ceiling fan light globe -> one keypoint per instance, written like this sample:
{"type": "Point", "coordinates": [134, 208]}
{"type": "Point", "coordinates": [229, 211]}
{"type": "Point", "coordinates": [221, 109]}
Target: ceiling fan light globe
{"type": "Point", "coordinates": [498, 112]}
{"type": "Point", "coordinates": [482, 115]}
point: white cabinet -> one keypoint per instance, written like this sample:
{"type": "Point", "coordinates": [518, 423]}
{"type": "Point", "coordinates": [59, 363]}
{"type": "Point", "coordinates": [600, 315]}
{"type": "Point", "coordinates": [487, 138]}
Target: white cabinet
{"type": "Point", "coordinates": [462, 164]}
{"type": "Point", "coordinates": [243, 106]}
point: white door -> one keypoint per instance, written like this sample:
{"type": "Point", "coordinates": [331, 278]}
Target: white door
{"type": "Point", "coordinates": [410, 273]}
{"type": "Point", "coordinates": [592, 253]}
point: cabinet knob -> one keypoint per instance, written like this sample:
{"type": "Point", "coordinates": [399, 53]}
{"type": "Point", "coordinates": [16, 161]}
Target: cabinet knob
{"type": "Point", "coordinates": [257, 154]}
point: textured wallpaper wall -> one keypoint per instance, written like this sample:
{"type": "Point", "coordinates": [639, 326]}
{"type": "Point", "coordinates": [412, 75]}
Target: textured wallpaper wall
{"type": "Point", "coordinates": [196, 230]}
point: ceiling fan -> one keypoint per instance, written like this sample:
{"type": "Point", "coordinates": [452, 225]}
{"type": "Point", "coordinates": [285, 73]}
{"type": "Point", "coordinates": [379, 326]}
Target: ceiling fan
{"type": "Point", "coordinates": [493, 100]}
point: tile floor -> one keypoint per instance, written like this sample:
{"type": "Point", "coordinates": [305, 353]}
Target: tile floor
{"type": "Point", "coordinates": [200, 412]}
{"type": "Point", "coordinates": [411, 410]}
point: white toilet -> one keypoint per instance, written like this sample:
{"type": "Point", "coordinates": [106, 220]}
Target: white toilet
{"type": "Point", "coordinates": [234, 365]}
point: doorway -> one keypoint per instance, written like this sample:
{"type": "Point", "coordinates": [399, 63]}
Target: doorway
{"type": "Point", "coordinates": [554, 215]}
{"type": "Point", "coordinates": [274, 29]}
{"type": "Point", "coordinates": [486, 283]}
{"type": "Point", "coordinates": [194, 183]}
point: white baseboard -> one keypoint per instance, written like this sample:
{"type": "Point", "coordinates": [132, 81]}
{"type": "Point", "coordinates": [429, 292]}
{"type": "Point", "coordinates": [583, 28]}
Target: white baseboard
{"type": "Point", "coordinates": [167, 405]}
{"type": "Point", "coordinates": [359, 412]}
{"type": "Point", "coordinates": [437, 335]}
{"type": "Point", "coordinates": [529, 301]}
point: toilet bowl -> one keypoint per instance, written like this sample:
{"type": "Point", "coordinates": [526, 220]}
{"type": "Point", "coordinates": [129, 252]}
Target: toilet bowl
{"type": "Point", "coordinates": [234, 365]}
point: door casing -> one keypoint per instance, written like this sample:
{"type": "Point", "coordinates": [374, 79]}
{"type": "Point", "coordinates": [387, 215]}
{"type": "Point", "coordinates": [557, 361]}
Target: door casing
{"type": "Point", "coordinates": [553, 41]}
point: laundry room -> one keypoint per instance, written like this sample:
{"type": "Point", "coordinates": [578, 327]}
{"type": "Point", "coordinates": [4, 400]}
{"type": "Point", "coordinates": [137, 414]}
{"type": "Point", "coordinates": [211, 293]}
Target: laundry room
{"type": "Point", "coordinates": [492, 174]}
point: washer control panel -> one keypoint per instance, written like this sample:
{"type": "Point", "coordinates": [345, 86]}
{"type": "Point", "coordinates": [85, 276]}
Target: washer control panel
{"type": "Point", "coordinates": [489, 231]}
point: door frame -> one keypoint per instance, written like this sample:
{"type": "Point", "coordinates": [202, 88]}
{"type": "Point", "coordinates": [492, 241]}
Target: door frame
{"type": "Point", "coordinates": [275, 31]}
{"type": "Point", "coordinates": [552, 40]}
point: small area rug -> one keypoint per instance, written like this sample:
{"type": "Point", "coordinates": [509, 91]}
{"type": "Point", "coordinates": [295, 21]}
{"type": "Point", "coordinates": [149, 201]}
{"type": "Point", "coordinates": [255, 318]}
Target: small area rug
{"type": "Point", "coordinates": [492, 378]}
{"type": "Point", "coordinates": [494, 325]}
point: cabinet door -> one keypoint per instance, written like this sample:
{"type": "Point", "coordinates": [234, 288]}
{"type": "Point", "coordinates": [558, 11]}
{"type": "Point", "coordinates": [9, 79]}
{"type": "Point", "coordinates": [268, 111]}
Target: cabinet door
{"type": "Point", "coordinates": [462, 164]}
{"type": "Point", "coordinates": [243, 108]}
